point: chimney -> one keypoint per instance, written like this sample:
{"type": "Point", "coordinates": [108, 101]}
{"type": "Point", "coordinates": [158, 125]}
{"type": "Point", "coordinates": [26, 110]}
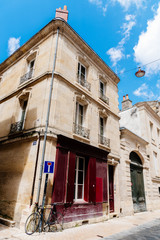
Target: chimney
{"type": "Point", "coordinates": [62, 13]}
{"type": "Point", "coordinates": [126, 103]}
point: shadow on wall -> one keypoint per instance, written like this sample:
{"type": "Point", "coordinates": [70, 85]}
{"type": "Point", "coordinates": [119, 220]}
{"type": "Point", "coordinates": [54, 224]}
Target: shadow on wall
{"type": "Point", "coordinates": [17, 163]}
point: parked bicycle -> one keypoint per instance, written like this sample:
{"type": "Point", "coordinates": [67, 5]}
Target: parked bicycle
{"type": "Point", "coordinates": [36, 222]}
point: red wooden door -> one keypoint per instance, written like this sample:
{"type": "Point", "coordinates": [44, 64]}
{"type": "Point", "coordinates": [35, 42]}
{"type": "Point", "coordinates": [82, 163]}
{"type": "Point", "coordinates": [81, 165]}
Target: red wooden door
{"type": "Point", "coordinates": [111, 188]}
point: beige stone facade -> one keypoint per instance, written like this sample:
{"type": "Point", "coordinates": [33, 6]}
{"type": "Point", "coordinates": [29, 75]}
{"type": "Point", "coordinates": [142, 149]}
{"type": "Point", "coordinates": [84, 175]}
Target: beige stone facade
{"type": "Point", "coordinates": [24, 92]}
{"type": "Point", "coordinates": [139, 127]}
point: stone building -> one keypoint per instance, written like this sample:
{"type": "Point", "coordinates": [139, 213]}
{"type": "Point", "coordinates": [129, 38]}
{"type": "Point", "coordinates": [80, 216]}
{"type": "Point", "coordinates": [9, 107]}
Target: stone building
{"type": "Point", "coordinates": [82, 137]}
{"type": "Point", "coordinates": [140, 156]}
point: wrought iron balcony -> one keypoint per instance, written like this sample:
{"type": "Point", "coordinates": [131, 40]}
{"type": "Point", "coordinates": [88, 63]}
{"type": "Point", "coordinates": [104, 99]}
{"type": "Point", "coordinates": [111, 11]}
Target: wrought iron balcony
{"type": "Point", "coordinates": [81, 78]}
{"type": "Point", "coordinates": [104, 141]}
{"type": "Point", "coordinates": [103, 97]}
{"type": "Point", "coordinates": [80, 130]}
{"type": "Point", "coordinates": [16, 127]}
{"type": "Point", "coordinates": [26, 76]}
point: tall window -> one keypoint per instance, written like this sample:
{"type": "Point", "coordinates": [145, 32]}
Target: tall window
{"type": "Point", "coordinates": [79, 114]}
{"type": "Point", "coordinates": [151, 129]}
{"type": "Point", "coordinates": [23, 112]}
{"type": "Point", "coordinates": [79, 178]}
{"type": "Point", "coordinates": [101, 126]}
{"type": "Point", "coordinates": [155, 163]}
{"type": "Point", "coordinates": [81, 73]}
{"type": "Point", "coordinates": [158, 135]}
{"type": "Point", "coordinates": [102, 88]}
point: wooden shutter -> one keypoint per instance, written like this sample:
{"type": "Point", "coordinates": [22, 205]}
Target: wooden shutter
{"type": "Point", "coordinates": [92, 180]}
{"type": "Point", "coordinates": [99, 189]}
{"type": "Point", "coordinates": [71, 175]}
{"type": "Point", "coordinates": [60, 175]}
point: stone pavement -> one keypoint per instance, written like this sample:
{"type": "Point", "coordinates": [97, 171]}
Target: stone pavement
{"type": "Point", "coordinates": [115, 228]}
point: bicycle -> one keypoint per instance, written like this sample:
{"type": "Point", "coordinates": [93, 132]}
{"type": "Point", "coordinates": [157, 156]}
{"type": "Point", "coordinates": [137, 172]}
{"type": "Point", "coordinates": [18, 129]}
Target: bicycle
{"type": "Point", "coordinates": [36, 220]}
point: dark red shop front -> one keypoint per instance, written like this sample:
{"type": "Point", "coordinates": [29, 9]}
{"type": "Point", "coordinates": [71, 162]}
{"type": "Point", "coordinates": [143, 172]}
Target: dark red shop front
{"type": "Point", "coordinates": [80, 179]}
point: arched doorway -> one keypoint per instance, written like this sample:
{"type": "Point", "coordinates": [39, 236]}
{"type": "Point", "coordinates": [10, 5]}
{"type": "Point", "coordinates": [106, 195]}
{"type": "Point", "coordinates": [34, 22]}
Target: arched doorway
{"type": "Point", "coordinates": [137, 183]}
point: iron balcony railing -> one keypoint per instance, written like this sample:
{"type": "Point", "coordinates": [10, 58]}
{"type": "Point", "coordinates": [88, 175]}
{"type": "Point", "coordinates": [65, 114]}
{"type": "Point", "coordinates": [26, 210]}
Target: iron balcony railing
{"type": "Point", "coordinates": [80, 130]}
{"type": "Point", "coordinates": [16, 127]}
{"type": "Point", "coordinates": [26, 76]}
{"type": "Point", "coordinates": [104, 141]}
{"type": "Point", "coordinates": [103, 97]}
{"type": "Point", "coordinates": [81, 78]}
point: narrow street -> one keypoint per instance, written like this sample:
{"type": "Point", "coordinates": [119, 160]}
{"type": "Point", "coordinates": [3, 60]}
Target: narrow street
{"type": "Point", "coordinates": [149, 231]}
{"type": "Point", "coordinates": [140, 226]}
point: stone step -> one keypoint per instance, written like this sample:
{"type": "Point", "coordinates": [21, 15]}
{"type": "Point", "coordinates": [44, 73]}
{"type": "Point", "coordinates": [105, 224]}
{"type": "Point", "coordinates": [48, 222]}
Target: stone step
{"type": "Point", "coordinates": [7, 222]}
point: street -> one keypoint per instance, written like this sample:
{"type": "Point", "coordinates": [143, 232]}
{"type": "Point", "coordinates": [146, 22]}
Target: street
{"type": "Point", "coordinates": [149, 231]}
{"type": "Point", "coordinates": [140, 226]}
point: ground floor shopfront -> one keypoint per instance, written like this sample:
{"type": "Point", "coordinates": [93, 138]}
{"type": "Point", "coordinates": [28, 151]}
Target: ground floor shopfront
{"type": "Point", "coordinates": [81, 180]}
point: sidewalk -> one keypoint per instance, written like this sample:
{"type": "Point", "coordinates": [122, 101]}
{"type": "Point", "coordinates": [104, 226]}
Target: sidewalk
{"type": "Point", "coordinates": [86, 232]}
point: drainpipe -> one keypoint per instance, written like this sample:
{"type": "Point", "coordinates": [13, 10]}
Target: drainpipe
{"type": "Point", "coordinates": [35, 170]}
{"type": "Point", "coordinates": [47, 121]}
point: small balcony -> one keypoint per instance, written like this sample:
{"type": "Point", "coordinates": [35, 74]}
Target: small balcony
{"type": "Point", "coordinates": [81, 79]}
{"type": "Point", "coordinates": [103, 97]}
{"type": "Point", "coordinates": [104, 141]}
{"type": "Point", "coordinates": [26, 76]}
{"type": "Point", "coordinates": [80, 130]}
{"type": "Point", "coordinates": [16, 127]}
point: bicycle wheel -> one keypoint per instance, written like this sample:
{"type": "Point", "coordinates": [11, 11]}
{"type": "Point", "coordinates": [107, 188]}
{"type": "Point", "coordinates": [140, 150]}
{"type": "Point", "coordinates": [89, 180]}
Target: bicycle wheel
{"type": "Point", "coordinates": [32, 223]}
{"type": "Point", "coordinates": [57, 225]}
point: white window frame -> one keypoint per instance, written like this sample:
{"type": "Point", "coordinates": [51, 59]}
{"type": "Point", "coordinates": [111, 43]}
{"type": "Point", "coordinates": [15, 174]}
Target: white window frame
{"type": "Point", "coordinates": [103, 126]}
{"type": "Point", "coordinates": [103, 92]}
{"type": "Point", "coordinates": [29, 65]}
{"type": "Point", "coordinates": [76, 178]}
{"type": "Point", "coordinates": [78, 112]}
{"type": "Point", "coordinates": [155, 163]}
{"type": "Point", "coordinates": [80, 65]}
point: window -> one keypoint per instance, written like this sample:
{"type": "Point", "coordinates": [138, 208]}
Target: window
{"type": "Point", "coordinates": [79, 114]}
{"type": "Point", "coordinates": [79, 179]}
{"type": "Point", "coordinates": [155, 163]}
{"type": "Point", "coordinates": [151, 129]}
{"type": "Point", "coordinates": [101, 125]}
{"type": "Point", "coordinates": [80, 120]}
{"type": "Point", "coordinates": [23, 112]}
{"type": "Point", "coordinates": [81, 73]}
{"type": "Point", "coordinates": [158, 135]}
{"type": "Point", "coordinates": [102, 92]}
{"type": "Point", "coordinates": [29, 69]}
{"type": "Point", "coordinates": [82, 76]}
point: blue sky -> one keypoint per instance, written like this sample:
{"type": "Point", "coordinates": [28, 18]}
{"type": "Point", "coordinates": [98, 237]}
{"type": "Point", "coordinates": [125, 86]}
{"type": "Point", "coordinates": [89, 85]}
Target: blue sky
{"type": "Point", "coordinates": [124, 33]}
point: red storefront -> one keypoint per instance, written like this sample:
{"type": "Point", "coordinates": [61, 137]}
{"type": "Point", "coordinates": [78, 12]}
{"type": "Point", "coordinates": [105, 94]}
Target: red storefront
{"type": "Point", "coordinates": [80, 179]}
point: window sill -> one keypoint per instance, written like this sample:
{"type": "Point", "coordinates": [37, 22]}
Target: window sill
{"type": "Point", "coordinates": [79, 137]}
{"type": "Point", "coordinates": [104, 147]}
{"type": "Point", "coordinates": [80, 202]}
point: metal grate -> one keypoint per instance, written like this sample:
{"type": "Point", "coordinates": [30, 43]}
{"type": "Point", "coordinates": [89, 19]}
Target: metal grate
{"type": "Point", "coordinates": [16, 127]}
{"type": "Point", "coordinates": [104, 141]}
{"type": "Point", "coordinates": [80, 130]}
{"type": "Point", "coordinates": [103, 97]}
{"type": "Point", "coordinates": [26, 76]}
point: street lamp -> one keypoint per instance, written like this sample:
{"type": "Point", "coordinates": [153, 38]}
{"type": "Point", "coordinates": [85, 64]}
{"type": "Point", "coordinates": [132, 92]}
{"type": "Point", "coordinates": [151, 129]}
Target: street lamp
{"type": "Point", "coordinates": [140, 73]}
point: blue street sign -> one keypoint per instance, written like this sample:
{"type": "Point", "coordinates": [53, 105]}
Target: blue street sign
{"type": "Point", "coordinates": [48, 167]}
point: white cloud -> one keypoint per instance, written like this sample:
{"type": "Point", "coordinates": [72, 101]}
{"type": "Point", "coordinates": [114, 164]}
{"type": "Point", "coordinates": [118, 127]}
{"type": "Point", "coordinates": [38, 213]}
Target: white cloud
{"type": "Point", "coordinates": [158, 84]}
{"type": "Point", "coordinates": [116, 54]}
{"type": "Point", "coordinates": [127, 3]}
{"type": "Point", "coordinates": [13, 45]}
{"type": "Point", "coordinates": [148, 47]}
{"type": "Point", "coordinates": [144, 92]}
{"type": "Point", "coordinates": [100, 4]}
